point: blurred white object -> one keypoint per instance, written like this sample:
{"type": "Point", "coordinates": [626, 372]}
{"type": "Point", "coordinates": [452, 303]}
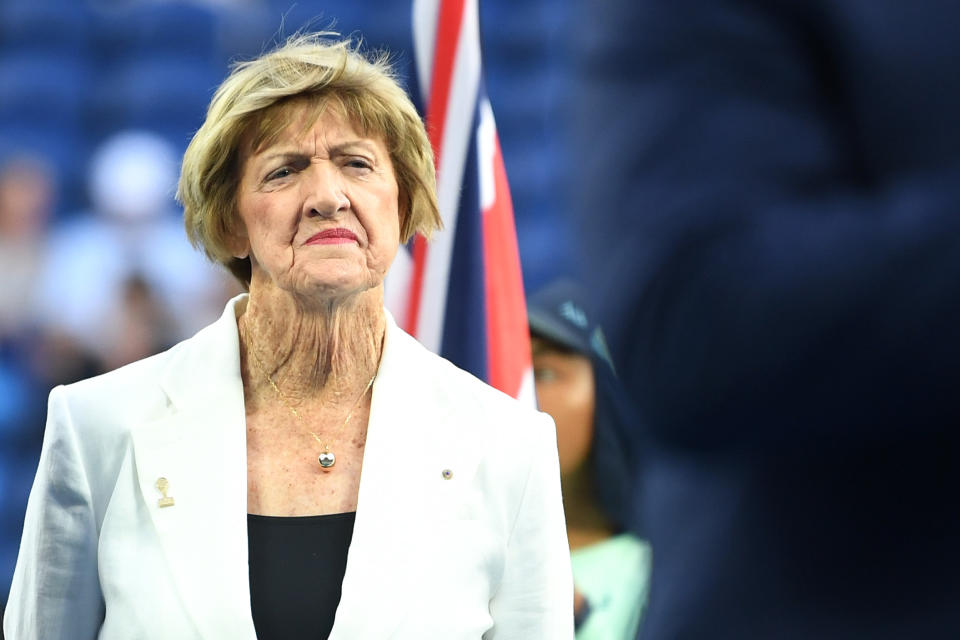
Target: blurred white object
{"type": "Point", "coordinates": [133, 175]}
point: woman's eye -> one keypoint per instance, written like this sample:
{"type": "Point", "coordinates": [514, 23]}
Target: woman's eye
{"type": "Point", "coordinates": [282, 172]}
{"type": "Point", "coordinates": [358, 163]}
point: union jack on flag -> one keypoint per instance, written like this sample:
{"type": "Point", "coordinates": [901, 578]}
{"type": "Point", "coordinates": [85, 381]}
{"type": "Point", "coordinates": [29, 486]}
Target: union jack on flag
{"type": "Point", "coordinates": [462, 295]}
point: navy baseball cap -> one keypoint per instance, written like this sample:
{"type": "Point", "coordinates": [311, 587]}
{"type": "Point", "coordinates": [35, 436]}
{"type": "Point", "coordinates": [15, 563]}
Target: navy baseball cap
{"type": "Point", "coordinates": [558, 313]}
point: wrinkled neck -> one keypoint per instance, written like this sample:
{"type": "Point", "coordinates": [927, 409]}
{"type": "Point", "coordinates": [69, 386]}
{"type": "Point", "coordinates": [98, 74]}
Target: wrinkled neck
{"type": "Point", "coordinates": [311, 350]}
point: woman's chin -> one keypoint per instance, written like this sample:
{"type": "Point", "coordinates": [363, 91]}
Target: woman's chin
{"type": "Point", "coordinates": [311, 287]}
{"type": "Point", "coordinates": [332, 290]}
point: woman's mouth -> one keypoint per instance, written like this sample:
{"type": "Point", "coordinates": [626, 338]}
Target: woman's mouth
{"type": "Point", "coordinates": [333, 236]}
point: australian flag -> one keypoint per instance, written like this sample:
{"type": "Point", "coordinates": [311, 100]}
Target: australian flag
{"type": "Point", "coordinates": [461, 295]}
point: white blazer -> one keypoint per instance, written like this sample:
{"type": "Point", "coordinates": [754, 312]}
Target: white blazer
{"type": "Point", "coordinates": [482, 554]}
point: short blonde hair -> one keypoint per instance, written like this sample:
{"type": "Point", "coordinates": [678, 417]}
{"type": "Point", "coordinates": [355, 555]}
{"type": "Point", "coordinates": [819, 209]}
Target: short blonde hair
{"type": "Point", "coordinates": [249, 109]}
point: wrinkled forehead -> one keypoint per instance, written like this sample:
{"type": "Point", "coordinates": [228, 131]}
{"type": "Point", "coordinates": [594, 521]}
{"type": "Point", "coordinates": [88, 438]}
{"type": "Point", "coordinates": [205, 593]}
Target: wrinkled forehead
{"type": "Point", "coordinates": [292, 119]}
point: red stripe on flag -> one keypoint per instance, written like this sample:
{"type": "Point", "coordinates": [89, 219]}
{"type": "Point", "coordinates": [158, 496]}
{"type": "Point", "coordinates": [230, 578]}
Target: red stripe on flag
{"type": "Point", "coordinates": [508, 336]}
{"type": "Point", "coordinates": [445, 52]}
{"type": "Point", "coordinates": [444, 56]}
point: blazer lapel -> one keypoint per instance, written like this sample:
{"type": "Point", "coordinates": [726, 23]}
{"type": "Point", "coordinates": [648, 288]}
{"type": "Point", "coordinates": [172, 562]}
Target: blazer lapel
{"type": "Point", "coordinates": [402, 488]}
{"type": "Point", "coordinates": [200, 449]}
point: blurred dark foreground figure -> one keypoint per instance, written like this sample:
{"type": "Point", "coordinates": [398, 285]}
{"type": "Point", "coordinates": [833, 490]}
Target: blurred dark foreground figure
{"type": "Point", "coordinates": [770, 214]}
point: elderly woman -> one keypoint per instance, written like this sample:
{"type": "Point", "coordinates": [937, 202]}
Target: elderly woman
{"type": "Point", "coordinates": [301, 468]}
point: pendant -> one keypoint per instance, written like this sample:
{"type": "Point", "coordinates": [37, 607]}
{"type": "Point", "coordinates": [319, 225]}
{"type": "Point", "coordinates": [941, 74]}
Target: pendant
{"type": "Point", "coordinates": [327, 459]}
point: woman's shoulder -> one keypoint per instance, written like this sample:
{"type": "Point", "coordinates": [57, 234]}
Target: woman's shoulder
{"type": "Point", "coordinates": [437, 374]}
{"type": "Point", "coordinates": [132, 388]}
{"type": "Point", "coordinates": [467, 400]}
{"type": "Point", "coordinates": [139, 390]}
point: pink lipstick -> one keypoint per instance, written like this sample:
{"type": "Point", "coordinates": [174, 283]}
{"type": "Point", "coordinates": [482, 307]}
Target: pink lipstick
{"type": "Point", "coordinates": [333, 236]}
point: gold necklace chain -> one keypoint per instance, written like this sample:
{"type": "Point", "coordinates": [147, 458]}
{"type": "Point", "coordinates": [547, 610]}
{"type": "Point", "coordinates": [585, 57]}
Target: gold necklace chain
{"type": "Point", "coordinates": [326, 458]}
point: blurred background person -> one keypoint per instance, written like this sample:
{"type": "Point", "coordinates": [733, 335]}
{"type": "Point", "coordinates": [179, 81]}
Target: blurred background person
{"type": "Point", "coordinates": [114, 269]}
{"type": "Point", "coordinates": [576, 384]}
{"type": "Point", "coordinates": [770, 216]}
{"type": "Point", "coordinates": [27, 199]}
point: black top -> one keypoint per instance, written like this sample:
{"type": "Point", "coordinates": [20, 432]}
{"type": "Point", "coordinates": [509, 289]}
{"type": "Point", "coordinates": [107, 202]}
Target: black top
{"type": "Point", "coordinates": [296, 569]}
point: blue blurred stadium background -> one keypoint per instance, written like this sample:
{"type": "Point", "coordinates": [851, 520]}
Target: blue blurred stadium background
{"type": "Point", "coordinates": [74, 72]}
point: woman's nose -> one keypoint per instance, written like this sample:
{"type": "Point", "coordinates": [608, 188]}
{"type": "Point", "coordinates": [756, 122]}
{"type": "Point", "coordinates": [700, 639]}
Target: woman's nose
{"type": "Point", "coordinates": [326, 196]}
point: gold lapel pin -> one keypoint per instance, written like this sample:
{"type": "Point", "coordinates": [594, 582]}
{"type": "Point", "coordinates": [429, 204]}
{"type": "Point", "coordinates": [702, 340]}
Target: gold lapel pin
{"type": "Point", "coordinates": [446, 474]}
{"type": "Point", "coordinates": [162, 486]}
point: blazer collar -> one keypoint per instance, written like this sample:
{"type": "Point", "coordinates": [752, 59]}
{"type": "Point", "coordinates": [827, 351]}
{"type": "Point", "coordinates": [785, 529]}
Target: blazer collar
{"type": "Point", "coordinates": [214, 354]}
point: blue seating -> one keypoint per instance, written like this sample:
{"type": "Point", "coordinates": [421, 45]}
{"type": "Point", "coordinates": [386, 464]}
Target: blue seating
{"type": "Point", "coordinates": [17, 468]}
{"type": "Point", "coordinates": [174, 28]}
{"type": "Point", "coordinates": [48, 88]}
{"type": "Point", "coordinates": [163, 93]}
{"type": "Point", "coordinates": [28, 26]}
{"type": "Point", "coordinates": [21, 426]}
{"type": "Point", "coordinates": [383, 24]}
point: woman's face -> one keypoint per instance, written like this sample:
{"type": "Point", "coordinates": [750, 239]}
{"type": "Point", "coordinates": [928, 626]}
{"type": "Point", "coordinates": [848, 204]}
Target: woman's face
{"type": "Point", "coordinates": [565, 390]}
{"type": "Point", "coordinates": [319, 209]}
